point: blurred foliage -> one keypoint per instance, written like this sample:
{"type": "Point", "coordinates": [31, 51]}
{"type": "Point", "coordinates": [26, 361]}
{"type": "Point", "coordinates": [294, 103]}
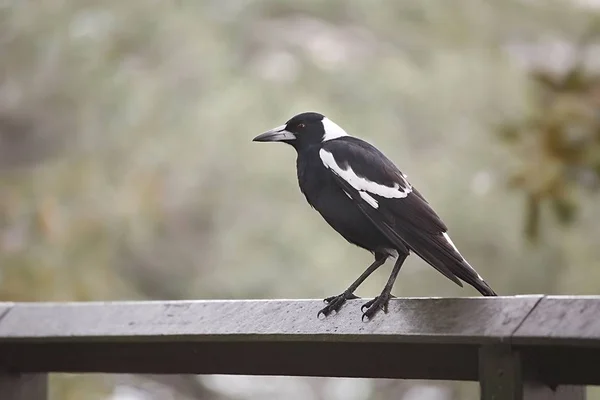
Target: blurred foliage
{"type": "Point", "coordinates": [558, 142]}
{"type": "Point", "coordinates": [127, 171]}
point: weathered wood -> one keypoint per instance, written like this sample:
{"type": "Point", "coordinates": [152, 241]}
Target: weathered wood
{"type": "Point", "coordinates": [500, 373]}
{"type": "Point", "coordinates": [344, 359]}
{"type": "Point", "coordinates": [559, 330]}
{"type": "Point", "coordinates": [433, 338]}
{"type": "Point", "coordinates": [559, 364]}
{"type": "Point", "coordinates": [4, 309]}
{"type": "Point", "coordinates": [440, 337]}
{"type": "Point", "coordinates": [431, 320]}
{"type": "Point", "coordinates": [567, 320]}
{"type": "Point", "coordinates": [538, 392]}
{"type": "Point", "coordinates": [23, 387]}
{"type": "Point", "coordinates": [504, 375]}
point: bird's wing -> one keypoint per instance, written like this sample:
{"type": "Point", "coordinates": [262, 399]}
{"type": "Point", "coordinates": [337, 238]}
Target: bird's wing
{"type": "Point", "coordinates": [382, 192]}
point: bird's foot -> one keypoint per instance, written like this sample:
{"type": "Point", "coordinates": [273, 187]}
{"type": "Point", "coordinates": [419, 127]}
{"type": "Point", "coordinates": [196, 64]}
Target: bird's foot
{"type": "Point", "coordinates": [334, 303]}
{"type": "Point", "coordinates": [373, 306]}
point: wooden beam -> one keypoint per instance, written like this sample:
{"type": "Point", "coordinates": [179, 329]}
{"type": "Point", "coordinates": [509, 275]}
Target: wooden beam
{"type": "Point", "coordinates": [412, 320]}
{"type": "Point", "coordinates": [419, 338]}
{"type": "Point", "coordinates": [562, 319]}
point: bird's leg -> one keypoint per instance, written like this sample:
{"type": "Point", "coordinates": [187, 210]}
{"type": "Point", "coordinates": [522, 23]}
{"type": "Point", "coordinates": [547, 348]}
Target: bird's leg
{"type": "Point", "coordinates": [381, 302]}
{"type": "Point", "coordinates": [334, 303]}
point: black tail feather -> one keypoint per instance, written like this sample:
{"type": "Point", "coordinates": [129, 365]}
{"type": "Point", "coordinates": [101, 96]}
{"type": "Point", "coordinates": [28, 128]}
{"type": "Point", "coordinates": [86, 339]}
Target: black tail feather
{"type": "Point", "coordinates": [443, 256]}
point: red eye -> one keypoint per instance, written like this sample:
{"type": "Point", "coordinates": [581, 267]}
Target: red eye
{"type": "Point", "coordinates": [300, 126]}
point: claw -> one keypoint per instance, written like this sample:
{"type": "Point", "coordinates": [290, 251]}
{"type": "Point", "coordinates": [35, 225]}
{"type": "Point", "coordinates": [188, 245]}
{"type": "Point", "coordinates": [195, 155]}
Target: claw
{"type": "Point", "coordinates": [334, 303]}
{"type": "Point", "coordinates": [368, 304]}
{"type": "Point", "coordinates": [373, 306]}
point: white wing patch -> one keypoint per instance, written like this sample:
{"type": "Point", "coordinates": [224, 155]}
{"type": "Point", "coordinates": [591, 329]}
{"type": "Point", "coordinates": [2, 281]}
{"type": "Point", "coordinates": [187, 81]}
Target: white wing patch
{"type": "Point", "coordinates": [369, 199]}
{"type": "Point", "coordinates": [447, 237]}
{"type": "Point", "coordinates": [332, 130]}
{"type": "Point", "coordinates": [364, 186]}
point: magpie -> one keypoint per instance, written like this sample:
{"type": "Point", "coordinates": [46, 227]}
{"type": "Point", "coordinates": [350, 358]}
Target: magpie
{"type": "Point", "coordinates": [367, 200]}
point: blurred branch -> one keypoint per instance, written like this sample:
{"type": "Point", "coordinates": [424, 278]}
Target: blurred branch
{"type": "Point", "coordinates": [558, 143]}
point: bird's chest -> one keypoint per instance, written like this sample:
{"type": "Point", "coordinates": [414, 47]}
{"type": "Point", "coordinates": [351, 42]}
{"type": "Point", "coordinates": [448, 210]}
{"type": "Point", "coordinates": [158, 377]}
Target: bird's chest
{"type": "Point", "coordinates": [325, 195]}
{"type": "Point", "coordinates": [315, 181]}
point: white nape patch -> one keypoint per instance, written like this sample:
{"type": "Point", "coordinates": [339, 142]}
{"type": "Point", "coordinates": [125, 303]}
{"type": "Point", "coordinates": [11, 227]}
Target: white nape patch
{"type": "Point", "coordinates": [332, 130]}
{"type": "Point", "coordinates": [447, 237]}
{"type": "Point", "coordinates": [367, 197]}
{"type": "Point", "coordinates": [364, 186]}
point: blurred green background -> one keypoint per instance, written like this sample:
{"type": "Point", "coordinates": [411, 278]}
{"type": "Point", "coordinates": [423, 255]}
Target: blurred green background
{"type": "Point", "coordinates": [127, 169]}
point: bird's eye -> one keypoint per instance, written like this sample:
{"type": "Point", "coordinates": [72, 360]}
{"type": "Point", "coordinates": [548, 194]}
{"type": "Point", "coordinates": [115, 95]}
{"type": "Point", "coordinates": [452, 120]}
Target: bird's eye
{"type": "Point", "coordinates": [301, 126]}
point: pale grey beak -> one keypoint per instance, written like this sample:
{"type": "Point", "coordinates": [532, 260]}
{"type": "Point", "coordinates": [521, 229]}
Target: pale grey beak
{"type": "Point", "coordinates": [278, 134]}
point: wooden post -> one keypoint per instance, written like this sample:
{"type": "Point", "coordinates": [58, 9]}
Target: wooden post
{"type": "Point", "coordinates": [500, 373]}
{"type": "Point", "coordinates": [501, 377]}
{"type": "Point", "coordinates": [24, 386]}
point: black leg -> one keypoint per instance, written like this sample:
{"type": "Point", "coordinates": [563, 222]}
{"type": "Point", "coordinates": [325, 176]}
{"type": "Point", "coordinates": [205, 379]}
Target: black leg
{"type": "Point", "coordinates": [334, 303]}
{"type": "Point", "coordinates": [381, 302]}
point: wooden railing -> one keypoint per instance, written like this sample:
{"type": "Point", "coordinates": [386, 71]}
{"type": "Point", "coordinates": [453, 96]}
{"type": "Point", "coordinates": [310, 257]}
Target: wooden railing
{"type": "Point", "coordinates": [516, 347]}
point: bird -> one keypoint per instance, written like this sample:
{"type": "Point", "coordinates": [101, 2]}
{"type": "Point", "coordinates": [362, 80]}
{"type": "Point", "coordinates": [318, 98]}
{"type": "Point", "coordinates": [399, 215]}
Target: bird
{"type": "Point", "coordinates": [363, 196]}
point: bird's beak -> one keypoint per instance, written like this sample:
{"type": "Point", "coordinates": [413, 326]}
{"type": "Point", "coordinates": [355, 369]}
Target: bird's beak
{"type": "Point", "coordinates": [278, 134]}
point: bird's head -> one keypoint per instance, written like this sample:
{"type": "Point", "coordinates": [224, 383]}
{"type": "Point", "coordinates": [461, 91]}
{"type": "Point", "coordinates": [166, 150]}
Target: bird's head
{"type": "Point", "coordinates": [303, 130]}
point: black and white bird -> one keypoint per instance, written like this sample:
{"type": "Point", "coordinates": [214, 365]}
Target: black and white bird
{"type": "Point", "coordinates": [367, 200]}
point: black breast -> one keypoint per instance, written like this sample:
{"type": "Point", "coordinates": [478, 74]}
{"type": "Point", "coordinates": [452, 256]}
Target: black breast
{"type": "Point", "coordinates": [341, 213]}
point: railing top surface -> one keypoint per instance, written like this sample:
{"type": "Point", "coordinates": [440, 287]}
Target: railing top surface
{"type": "Point", "coordinates": [477, 320]}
